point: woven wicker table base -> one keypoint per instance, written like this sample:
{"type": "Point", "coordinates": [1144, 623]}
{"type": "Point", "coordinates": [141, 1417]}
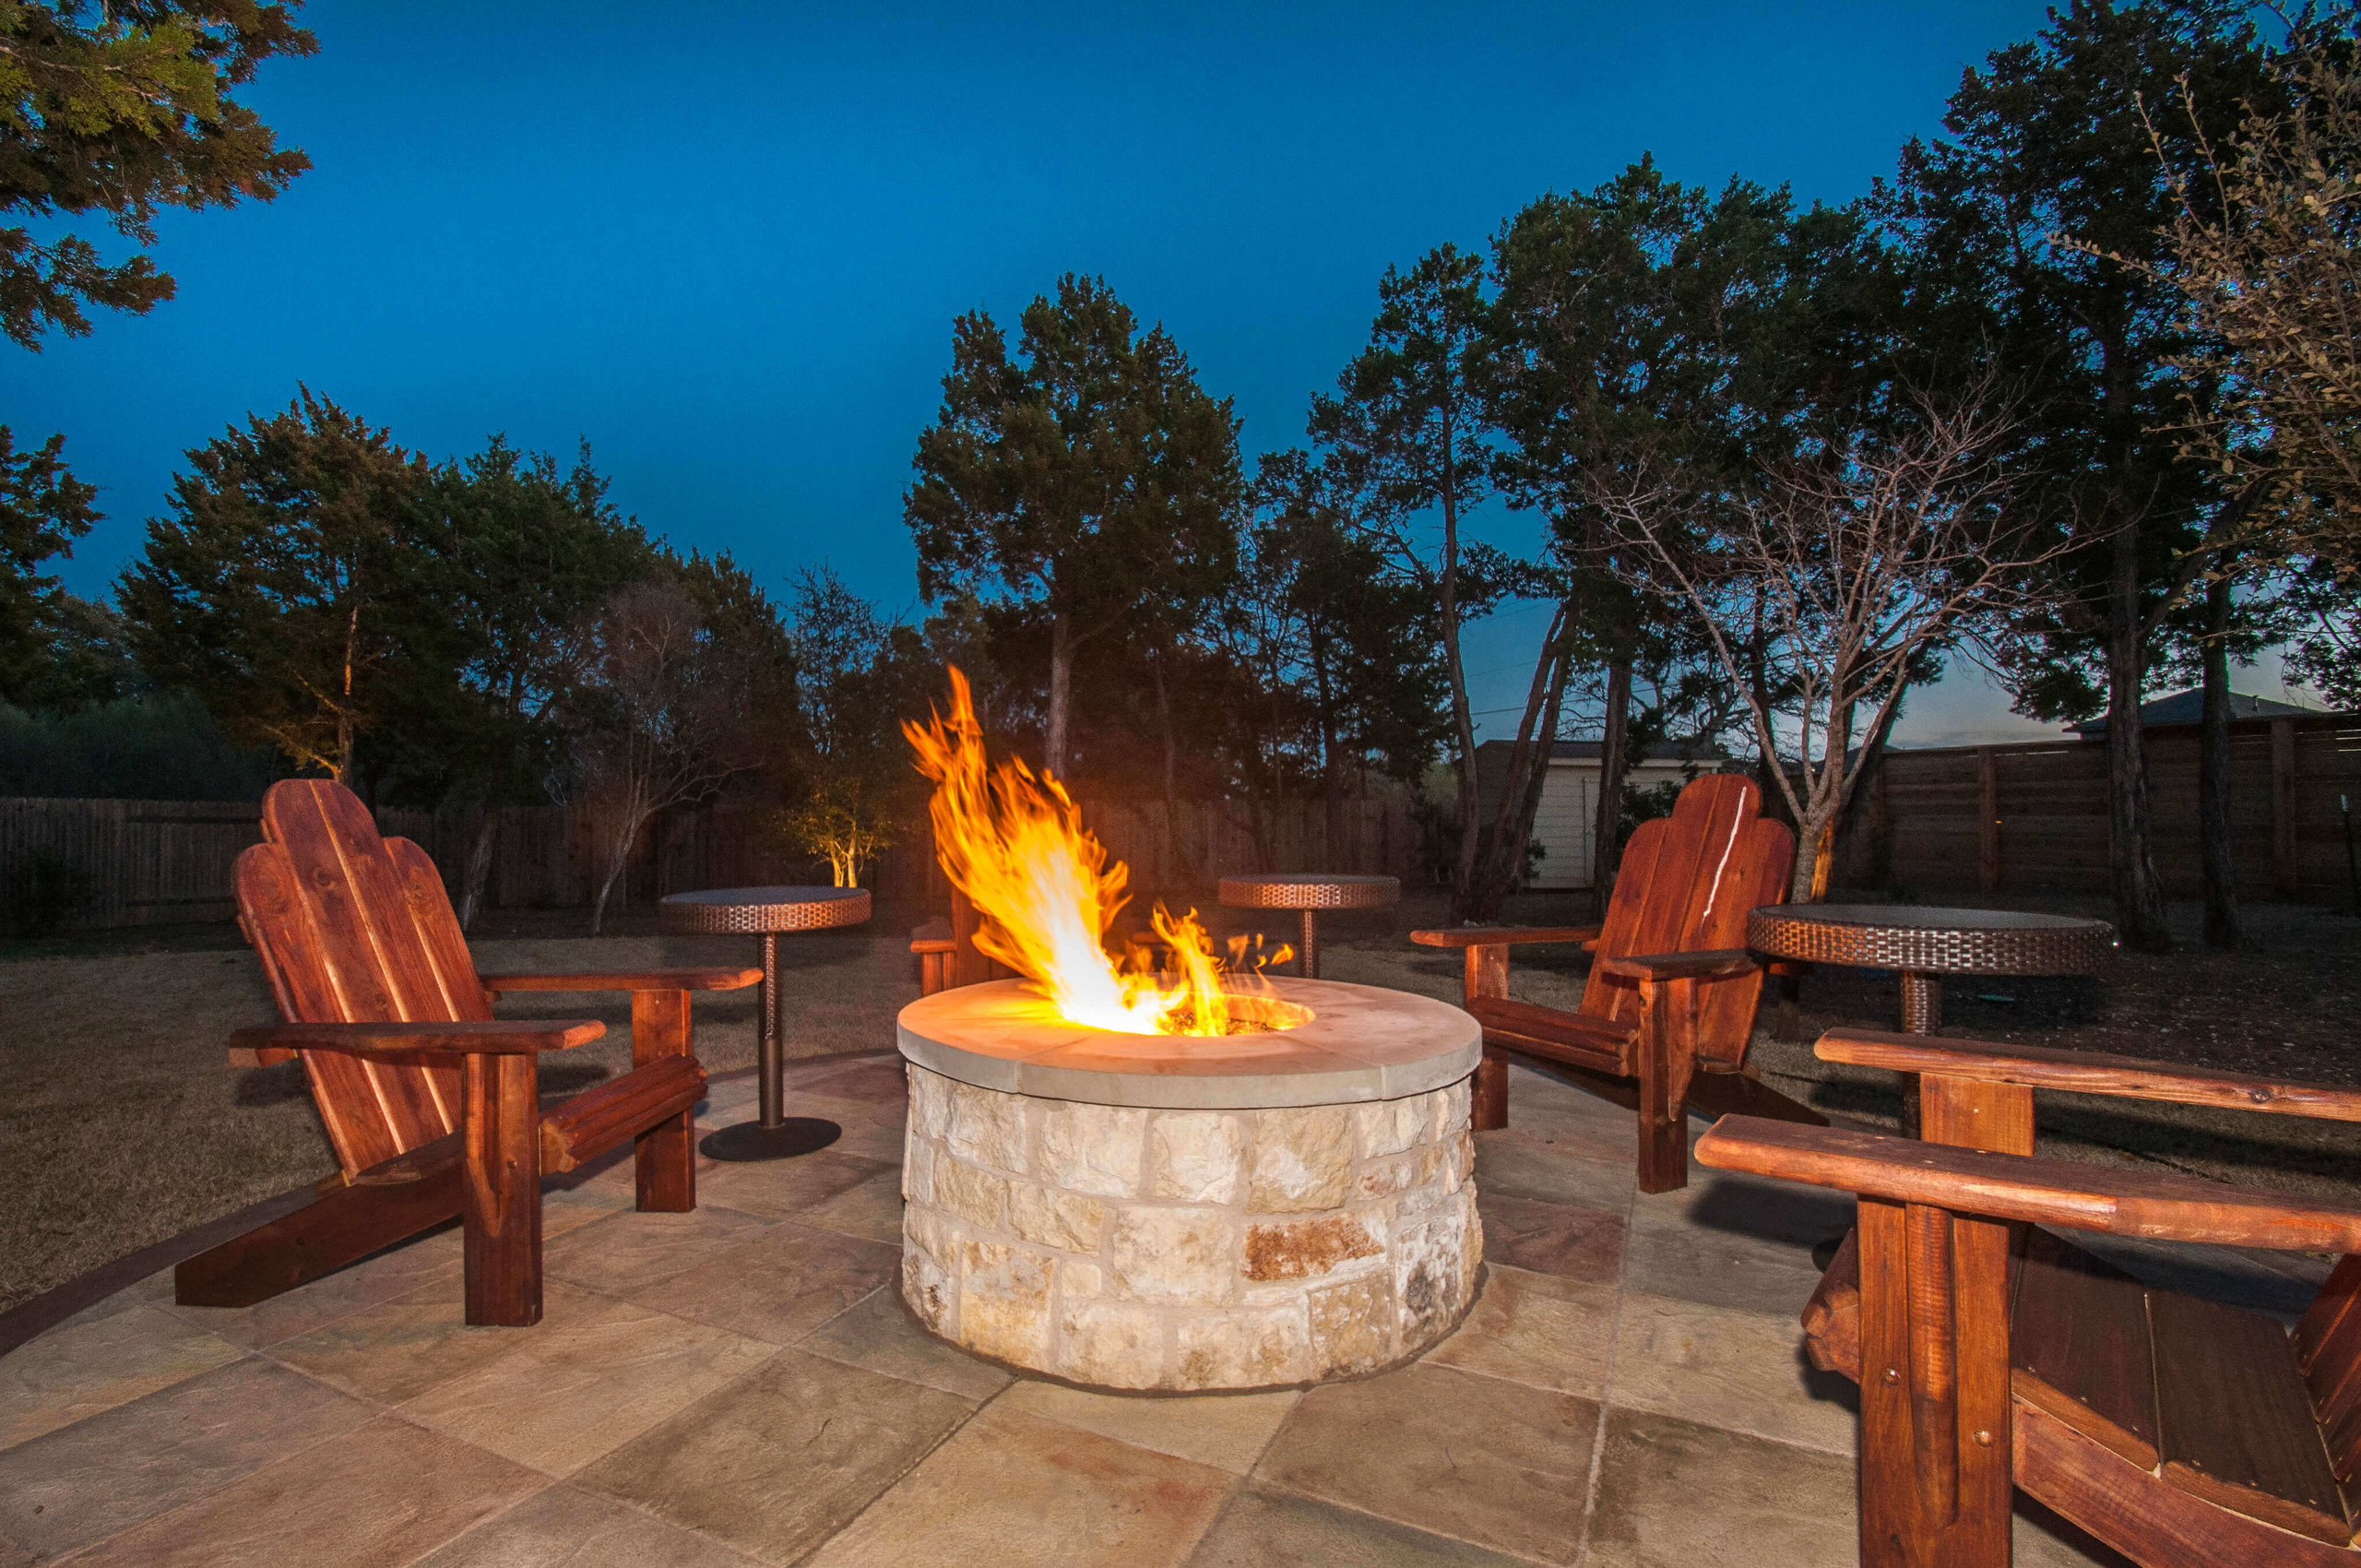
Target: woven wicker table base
{"type": "Point", "coordinates": [1923, 945]}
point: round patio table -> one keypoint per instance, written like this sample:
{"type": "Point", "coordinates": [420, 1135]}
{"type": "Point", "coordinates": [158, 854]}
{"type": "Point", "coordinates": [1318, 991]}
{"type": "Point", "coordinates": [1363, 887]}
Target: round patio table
{"type": "Point", "coordinates": [1924, 944]}
{"type": "Point", "coordinates": [765, 912]}
{"type": "Point", "coordinates": [1309, 892]}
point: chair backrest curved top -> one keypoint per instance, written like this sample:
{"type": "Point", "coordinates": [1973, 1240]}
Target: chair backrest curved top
{"type": "Point", "coordinates": [354, 928]}
{"type": "Point", "coordinates": [1685, 886]}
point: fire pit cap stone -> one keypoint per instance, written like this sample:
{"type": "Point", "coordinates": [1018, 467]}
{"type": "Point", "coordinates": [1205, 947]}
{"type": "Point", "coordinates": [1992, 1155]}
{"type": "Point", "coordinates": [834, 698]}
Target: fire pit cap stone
{"type": "Point", "coordinates": [1362, 1043]}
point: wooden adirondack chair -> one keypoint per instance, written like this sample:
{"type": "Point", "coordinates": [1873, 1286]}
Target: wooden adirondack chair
{"type": "Point", "coordinates": [1669, 1007]}
{"type": "Point", "coordinates": [431, 1106]}
{"type": "Point", "coordinates": [947, 950]}
{"type": "Point", "coordinates": [2176, 1429]}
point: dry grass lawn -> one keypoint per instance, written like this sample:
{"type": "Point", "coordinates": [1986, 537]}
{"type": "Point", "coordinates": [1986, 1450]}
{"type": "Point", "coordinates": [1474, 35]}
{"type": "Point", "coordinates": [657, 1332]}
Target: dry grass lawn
{"type": "Point", "coordinates": [121, 1125]}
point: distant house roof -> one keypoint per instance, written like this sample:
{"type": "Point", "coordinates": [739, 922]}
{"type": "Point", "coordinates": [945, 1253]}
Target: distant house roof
{"type": "Point", "coordinates": [2189, 707]}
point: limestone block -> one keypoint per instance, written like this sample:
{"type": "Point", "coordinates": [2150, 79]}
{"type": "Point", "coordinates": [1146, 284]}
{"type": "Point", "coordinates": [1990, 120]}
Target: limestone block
{"type": "Point", "coordinates": [929, 1102]}
{"type": "Point", "coordinates": [977, 1196]}
{"type": "Point", "coordinates": [939, 1236]}
{"type": "Point", "coordinates": [1432, 1276]}
{"type": "Point", "coordinates": [1382, 1178]}
{"type": "Point", "coordinates": [1244, 1347]}
{"type": "Point", "coordinates": [932, 1296]}
{"type": "Point", "coordinates": [1454, 1108]}
{"type": "Point", "coordinates": [918, 1173]}
{"type": "Point", "coordinates": [1065, 1220]}
{"type": "Point", "coordinates": [1092, 1148]}
{"type": "Point", "coordinates": [1195, 1156]}
{"type": "Point", "coordinates": [1392, 1125]}
{"type": "Point", "coordinates": [1303, 1159]}
{"type": "Point", "coordinates": [1078, 1280]}
{"type": "Point", "coordinates": [1306, 1248]}
{"type": "Point", "coordinates": [1112, 1343]}
{"type": "Point", "coordinates": [987, 1128]}
{"type": "Point", "coordinates": [1004, 1301]}
{"type": "Point", "coordinates": [1353, 1327]}
{"type": "Point", "coordinates": [1173, 1255]}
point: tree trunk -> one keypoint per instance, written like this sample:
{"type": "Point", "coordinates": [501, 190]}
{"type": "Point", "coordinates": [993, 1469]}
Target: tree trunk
{"type": "Point", "coordinates": [1053, 752]}
{"type": "Point", "coordinates": [1614, 765]}
{"type": "Point", "coordinates": [2214, 844]}
{"type": "Point", "coordinates": [2139, 898]}
{"type": "Point", "coordinates": [484, 823]}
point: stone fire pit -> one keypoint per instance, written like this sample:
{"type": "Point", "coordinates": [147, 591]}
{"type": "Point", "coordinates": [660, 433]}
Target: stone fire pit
{"type": "Point", "coordinates": [1184, 1214]}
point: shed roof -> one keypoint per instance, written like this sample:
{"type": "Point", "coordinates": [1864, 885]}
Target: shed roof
{"type": "Point", "coordinates": [2189, 707]}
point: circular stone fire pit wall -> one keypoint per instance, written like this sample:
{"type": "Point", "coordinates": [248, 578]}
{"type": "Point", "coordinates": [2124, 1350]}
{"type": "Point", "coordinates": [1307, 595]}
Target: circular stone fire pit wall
{"type": "Point", "coordinates": [1187, 1250]}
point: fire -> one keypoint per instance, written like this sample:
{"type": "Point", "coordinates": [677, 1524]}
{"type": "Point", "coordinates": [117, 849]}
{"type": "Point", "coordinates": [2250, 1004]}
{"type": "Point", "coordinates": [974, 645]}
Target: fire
{"type": "Point", "coordinates": [1014, 843]}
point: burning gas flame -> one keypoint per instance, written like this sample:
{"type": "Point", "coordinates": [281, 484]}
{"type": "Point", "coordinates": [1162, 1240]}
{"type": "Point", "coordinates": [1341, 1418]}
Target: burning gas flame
{"type": "Point", "coordinates": [1014, 843]}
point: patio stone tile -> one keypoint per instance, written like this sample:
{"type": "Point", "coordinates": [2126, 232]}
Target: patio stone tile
{"type": "Point", "coordinates": [1744, 1372]}
{"type": "Point", "coordinates": [396, 1350]}
{"type": "Point", "coordinates": [628, 1251]}
{"type": "Point", "coordinates": [1510, 1161]}
{"type": "Point", "coordinates": [878, 1136]}
{"type": "Point", "coordinates": [394, 1272]}
{"type": "Point", "coordinates": [153, 1291]}
{"type": "Point", "coordinates": [779, 1286]}
{"type": "Point", "coordinates": [779, 1188]}
{"type": "Point", "coordinates": [574, 1393]}
{"type": "Point", "coordinates": [85, 1483]}
{"type": "Point", "coordinates": [880, 1080]}
{"type": "Point", "coordinates": [566, 1526]}
{"type": "Point", "coordinates": [1579, 1243]}
{"type": "Point", "coordinates": [377, 1499]}
{"type": "Point", "coordinates": [1676, 1494]}
{"type": "Point", "coordinates": [1495, 1463]}
{"type": "Point", "coordinates": [81, 1368]}
{"type": "Point", "coordinates": [780, 1460]}
{"type": "Point", "coordinates": [1779, 1215]}
{"type": "Point", "coordinates": [1010, 1487]}
{"type": "Point", "coordinates": [1228, 1432]}
{"type": "Point", "coordinates": [1541, 1329]}
{"type": "Point", "coordinates": [878, 1335]}
{"type": "Point", "coordinates": [1263, 1529]}
{"type": "Point", "coordinates": [1666, 1253]}
{"type": "Point", "coordinates": [873, 1209]}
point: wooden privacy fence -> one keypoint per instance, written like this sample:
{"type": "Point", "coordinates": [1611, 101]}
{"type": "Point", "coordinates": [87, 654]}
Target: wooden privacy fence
{"type": "Point", "coordinates": [146, 862]}
{"type": "Point", "coordinates": [2033, 818]}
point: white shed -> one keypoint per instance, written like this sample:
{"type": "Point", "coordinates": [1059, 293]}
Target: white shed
{"type": "Point", "coordinates": [1568, 811]}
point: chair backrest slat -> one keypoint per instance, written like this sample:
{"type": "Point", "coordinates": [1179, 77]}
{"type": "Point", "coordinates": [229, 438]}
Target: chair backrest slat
{"type": "Point", "coordinates": [2328, 1349]}
{"type": "Point", "coordinates": [1685, 886]}
{"type": "Point", "coordinates": [352, 928]}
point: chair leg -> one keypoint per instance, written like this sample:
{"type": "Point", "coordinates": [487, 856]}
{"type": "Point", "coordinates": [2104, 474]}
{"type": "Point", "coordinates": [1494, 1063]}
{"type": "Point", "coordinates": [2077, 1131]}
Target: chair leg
{"type": "Point", "coordinates": [667, 1153]}
{"type": "Point", "coordinates": [501, 1139]}
{"type": "Point", "coordinates": [1666, 1057]}
{"type": "Point", "coordinates": [1488, 1108]}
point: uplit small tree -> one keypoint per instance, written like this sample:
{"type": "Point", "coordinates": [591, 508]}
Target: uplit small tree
{"type": "Point", "coordinates": [855, 674]}
{"type": "Point", "coordinates": [1829, 591]}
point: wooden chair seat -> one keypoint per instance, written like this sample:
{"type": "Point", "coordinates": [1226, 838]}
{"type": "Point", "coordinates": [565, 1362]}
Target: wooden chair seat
{"type": "Point", "coordinates": [1669, 1004]}
{"type": "Point", "coordinates": [2179, 1430]}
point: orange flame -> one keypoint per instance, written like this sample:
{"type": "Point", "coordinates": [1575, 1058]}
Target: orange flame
{"type": "Point", "coordinates": [1015, 844]}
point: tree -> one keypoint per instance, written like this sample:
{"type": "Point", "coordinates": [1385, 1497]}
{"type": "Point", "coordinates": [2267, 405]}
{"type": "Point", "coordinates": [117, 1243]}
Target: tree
{"type": "Point", "coordinates": [1088, 476]}
{"type": "Point", "coordinates": [123, 108]}
{"type": "Point", "coordinates": [272, 589]}
{"type": "Point", "coordinates": [856, 678]}
{"type": "Point", "coordinates": [44, 509]}
{"type": "Point", "coordinates": [511, 553]}
{"type": "Point", "coordinates": [679, 670]}
{"type": "Point", "coordinates": [1823, 592]}
{"type": "Point", "coordinates": [1407, 432]}
{"type": "Point", "coordinates": [2046, 141]}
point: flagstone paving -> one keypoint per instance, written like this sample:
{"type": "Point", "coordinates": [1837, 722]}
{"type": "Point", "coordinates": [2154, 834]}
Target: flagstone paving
{"type": "Point", "coordinates": [741, 1385]}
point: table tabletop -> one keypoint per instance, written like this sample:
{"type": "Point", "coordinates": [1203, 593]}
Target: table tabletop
{"type": "Point", "coordinates": [1928, 940]}
{"type": "Point", "coordinates": [754, 911]}
{"type": "Point", "coordinates": [1310, 890]}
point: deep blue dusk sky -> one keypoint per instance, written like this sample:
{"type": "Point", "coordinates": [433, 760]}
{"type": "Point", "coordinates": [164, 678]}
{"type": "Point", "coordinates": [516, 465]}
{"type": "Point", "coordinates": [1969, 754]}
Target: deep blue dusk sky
{"type": "Point", "coordinates": [728, 250]}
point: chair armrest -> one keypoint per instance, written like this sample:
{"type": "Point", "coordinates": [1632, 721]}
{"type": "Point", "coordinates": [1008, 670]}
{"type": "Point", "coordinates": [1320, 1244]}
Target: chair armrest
{"type": "Point", "coordinates": [1502, 935]}
{"type": "Point", "coordinates": [1716, 964]}
{"type": "Point", "coordinates": [2086, 1072]}
{"type": "Point", "coordinates": [624, 980]}
{"type": "Point", "coordinates": [932, 937]}
{"type": "Point", "coordinates": [259, 1045]}
{"type": "Point", "coordinates": [2015, 1186]}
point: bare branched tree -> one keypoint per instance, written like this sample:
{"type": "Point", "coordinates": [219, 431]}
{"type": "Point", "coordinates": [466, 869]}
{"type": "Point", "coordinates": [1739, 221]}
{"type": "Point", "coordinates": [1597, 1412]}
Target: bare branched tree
{"type": "Point", "coordinates": [1825, 594]}
{"type": "Point", "coordinates": [665, 719]}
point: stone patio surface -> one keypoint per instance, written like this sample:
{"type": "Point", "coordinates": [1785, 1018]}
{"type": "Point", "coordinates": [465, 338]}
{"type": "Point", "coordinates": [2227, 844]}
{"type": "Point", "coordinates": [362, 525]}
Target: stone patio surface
{"type": "Point", "coordinates": [742, 1385]}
